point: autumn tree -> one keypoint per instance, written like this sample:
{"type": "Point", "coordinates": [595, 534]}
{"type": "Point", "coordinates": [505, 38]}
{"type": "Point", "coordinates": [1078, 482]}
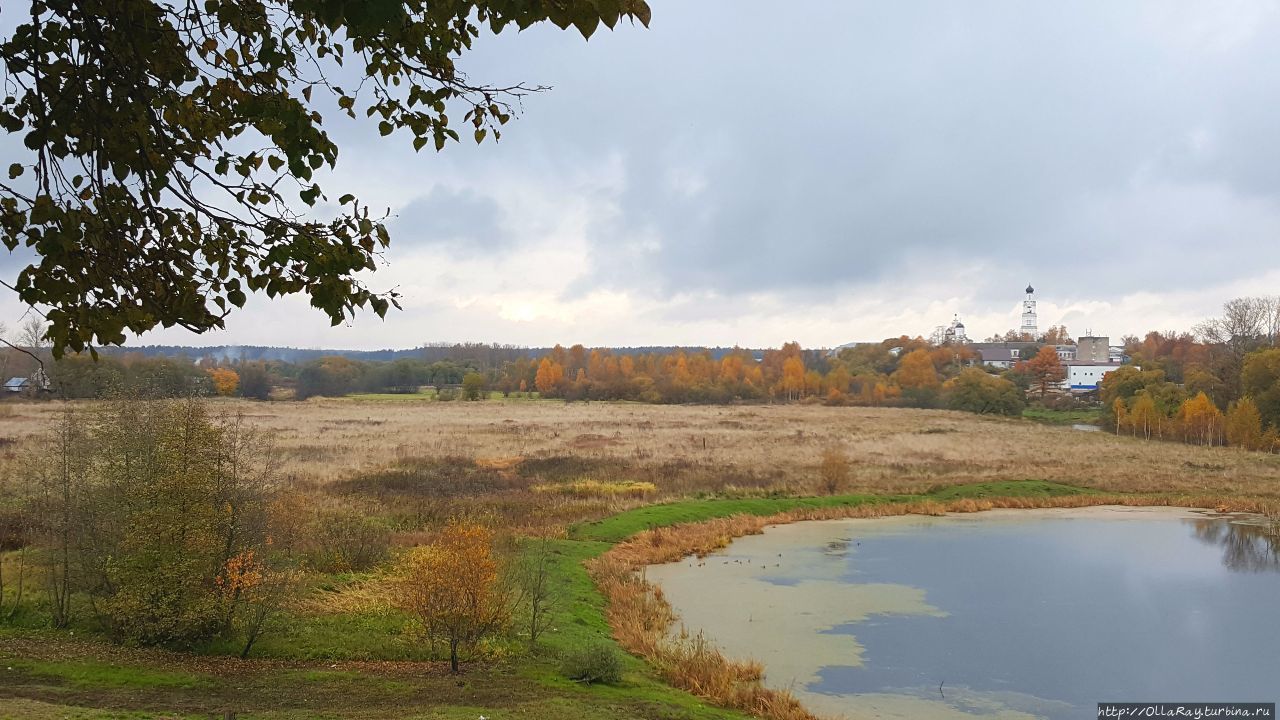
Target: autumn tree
{"type": "Point", "coordinates": [1260, 379]}
{"type": "Point", "coordinates": [1120, 411]}
{"type": "Point", "coordinates": [1144, 419]}
{"type": "Point", "coordinates": [147, 504]}
{"type": "Point", "coordinates": [550, 375]}
{"type": "Point", "coordinates": [1201, 420]}
{"type": "Point", "coordinates": [974, 390]}
{"type": "Point", "coordinates": [1045, 370]}
{"type": "Point", "coordinates": [1244, 425]}
{"type": "Point", "coordinates": [170, 152]}
{"type": "Point", "coordinates": [225, 381]}
{"type": "Point", "coordinates": [1057, 335]}
{"type": "Point", "coordinates": [792, 381]}
{"type": "Point", "coordinates": [452, 588]}
{"type": "Point", "coordinates": [918, 378]}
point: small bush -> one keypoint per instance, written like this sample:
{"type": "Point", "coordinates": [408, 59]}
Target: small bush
{"type": "Point", "coordinates": [834, 470]}
{"type": "Point", "coordinates": [346, 541]}
{"type": "Point", "coordinates": [594, 663]}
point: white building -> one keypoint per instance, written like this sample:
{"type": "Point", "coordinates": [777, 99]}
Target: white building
{"type": "Point", "coordinates": [1084, 375]}
{"type": "Point", "coordinates": [954, 333]}
{"type": "Point", "coordinates": [1029, 326]}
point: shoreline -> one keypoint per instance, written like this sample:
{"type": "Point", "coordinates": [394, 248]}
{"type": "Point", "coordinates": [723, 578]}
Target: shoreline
{"type": "Point", "coordinates": [642, 619]}
{"type": "Point", "coordinates": [782, 579]}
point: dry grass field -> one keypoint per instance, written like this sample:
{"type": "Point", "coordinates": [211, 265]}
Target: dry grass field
{"type": "Point", "coordinates": [537, 467]}
{"type": "Point", "coordinates": [703, 450]}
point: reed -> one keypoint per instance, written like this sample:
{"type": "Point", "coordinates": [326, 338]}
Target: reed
{"type": "Point", "coordinates": [597, 489]}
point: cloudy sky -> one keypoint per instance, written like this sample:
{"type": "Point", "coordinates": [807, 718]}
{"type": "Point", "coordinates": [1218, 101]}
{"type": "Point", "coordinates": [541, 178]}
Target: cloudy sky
{"type": "Point", "coordinates": [749, 172]}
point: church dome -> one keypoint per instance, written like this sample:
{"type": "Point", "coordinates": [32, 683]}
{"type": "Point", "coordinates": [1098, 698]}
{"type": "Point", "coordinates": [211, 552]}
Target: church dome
{"type": "Point", "coordinates": [1030, 289]}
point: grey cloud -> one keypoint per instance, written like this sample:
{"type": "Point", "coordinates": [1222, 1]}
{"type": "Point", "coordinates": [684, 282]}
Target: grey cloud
{"type": "Point", "coordinates": [462, 221]}
{"type": "Point", "coordinates": [812, 147]}
{"type": "Point", "coordinates": [838, 141]}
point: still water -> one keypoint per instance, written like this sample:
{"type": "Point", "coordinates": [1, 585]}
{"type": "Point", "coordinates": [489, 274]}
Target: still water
{"type": "Point", "coordinates": [1010, 614]}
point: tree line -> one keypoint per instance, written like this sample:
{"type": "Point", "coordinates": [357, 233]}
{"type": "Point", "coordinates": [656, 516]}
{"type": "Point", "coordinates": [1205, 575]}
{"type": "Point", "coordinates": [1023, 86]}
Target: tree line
{"type": "Point", "coordinates": [1218, 384]}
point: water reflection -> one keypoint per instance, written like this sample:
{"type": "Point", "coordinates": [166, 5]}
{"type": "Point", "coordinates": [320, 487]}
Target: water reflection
{"type": "Point", "coordinates": [1246, 547]}
{"type": "Point", "coordinates": [1014, 615]}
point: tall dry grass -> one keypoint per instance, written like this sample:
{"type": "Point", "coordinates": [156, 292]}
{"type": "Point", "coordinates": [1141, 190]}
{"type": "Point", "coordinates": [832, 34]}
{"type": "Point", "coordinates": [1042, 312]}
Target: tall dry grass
{"type": "Point", "coordinates": [723, 450]}
{"type": "Point", "coordinates": [536, 466]}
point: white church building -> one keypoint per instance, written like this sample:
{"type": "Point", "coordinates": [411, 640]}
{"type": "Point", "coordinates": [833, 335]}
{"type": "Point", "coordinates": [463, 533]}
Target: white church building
{"type": "Point", "coordinates": [1087, 362]}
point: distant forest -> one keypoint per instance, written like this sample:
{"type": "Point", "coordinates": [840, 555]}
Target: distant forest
{"type": "Point", "coordinates": [1219, 384]}
{"type": "Point", "coordinates": [487, 354]}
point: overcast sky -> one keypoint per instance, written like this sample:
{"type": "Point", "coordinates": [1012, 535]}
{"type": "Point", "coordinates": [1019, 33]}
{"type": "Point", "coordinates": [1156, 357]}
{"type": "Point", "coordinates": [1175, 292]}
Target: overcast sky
{"type": "Point", "coordinates": [748, 172]}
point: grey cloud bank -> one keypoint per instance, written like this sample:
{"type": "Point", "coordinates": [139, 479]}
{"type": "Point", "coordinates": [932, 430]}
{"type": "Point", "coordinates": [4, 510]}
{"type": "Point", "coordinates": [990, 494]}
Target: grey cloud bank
{"type": "Point", "coordinates": [750, 172]}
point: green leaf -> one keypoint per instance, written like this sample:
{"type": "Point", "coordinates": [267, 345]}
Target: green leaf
{"type": "Point", "coordinates": [15, 170]}
{"type": "Point", "coordinates": [480, 135]}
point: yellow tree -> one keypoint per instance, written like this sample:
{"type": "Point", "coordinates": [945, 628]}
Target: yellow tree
{"type": "Point", "coordinates": [838, 378]}
{"type": "Point", "coordinates": [793, 377]}
{"type": "Point", "coordinates": [1244, 424]}
{"type": "Point", "coordinates": [812, 383]}
{"type": "Point", "coordinates": [918, 378]}
{"type": "Point", "coordinates": [1201, 420]}
{"type": "Point", "coordinates": [1144, 418]}
{"type": "Point", "coordinates": [550, 374]}
{"type": "Point", "coordinates": [1122, 415]}
{"type": "Point", "coordinates": [916, 371]}
{"type": "Point", "coordinates": [452, 588]}
{"type": "Point", "coordinates": [731, 368]}
{"type": "Point", "coordinates": [225, 381]}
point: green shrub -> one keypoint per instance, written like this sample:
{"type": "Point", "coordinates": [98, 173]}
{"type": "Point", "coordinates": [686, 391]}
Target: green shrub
{"type": "Point", "coordinates": [595, 663]}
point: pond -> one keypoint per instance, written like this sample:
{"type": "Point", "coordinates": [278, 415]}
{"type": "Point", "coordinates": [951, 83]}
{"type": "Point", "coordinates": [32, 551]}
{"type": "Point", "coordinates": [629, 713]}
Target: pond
{"type": "Point", "coordinates": [1004, 614]}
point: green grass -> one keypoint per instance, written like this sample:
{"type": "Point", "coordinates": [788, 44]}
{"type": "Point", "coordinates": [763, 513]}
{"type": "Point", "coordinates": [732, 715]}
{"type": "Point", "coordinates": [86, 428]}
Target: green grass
{"type": "Point", "coordinates": [1018, 488]}
{"type": "Point", "coordinates": [41, 710]}
{"type": "Point", "coordinates": [95, 674]}
{"type": "Point", "coordinates": [337, 636]}
{"type": "Point", "coordinates": [1085, 416]}
{"type": "Point", "coordinates": [520, 686]}
{"type": "Point", "coordinates": [345, 680]}
{"type": "Point", "coordinates": [623, 525]}
{"type": "Point", "coordinates": [618, 527]}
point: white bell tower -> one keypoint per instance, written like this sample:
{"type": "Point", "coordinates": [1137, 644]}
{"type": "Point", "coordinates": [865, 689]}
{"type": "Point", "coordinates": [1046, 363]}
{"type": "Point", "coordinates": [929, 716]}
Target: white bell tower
{"type": "Point", "coordinates": [1029, 314]}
